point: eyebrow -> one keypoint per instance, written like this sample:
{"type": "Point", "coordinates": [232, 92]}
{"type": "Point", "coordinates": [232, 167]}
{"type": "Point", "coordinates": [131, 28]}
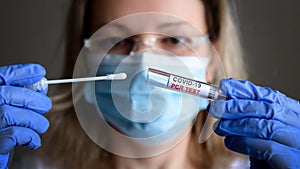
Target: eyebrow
{"type": "Point", "coordinates": [172, 24]}
{"type": "Point", "coordinates": [116, 25]}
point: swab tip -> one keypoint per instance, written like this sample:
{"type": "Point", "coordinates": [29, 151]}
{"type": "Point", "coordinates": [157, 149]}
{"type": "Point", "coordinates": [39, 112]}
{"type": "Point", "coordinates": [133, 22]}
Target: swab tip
{"type": "Point", "coordinates": [118, 76]}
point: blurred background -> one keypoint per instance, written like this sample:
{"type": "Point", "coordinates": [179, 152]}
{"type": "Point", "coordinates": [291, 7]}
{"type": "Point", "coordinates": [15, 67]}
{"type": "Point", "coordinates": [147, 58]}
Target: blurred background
{"type": "Point", "coordinates": [32, 31]}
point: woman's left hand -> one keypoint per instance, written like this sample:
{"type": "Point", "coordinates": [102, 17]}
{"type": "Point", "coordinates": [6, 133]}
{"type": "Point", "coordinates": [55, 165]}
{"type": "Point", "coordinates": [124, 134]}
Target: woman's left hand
{"type": "Point", "coordinates": [260, 122]}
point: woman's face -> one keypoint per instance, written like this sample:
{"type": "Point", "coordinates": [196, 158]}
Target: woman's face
{"type": "Point", "coordinates": [116, 19]}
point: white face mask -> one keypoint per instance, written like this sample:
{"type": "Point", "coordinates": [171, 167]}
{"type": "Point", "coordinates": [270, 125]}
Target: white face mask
{"type": "Point", "coordinates": [139, 110]}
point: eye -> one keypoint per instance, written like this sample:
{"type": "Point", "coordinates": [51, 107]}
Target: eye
{"type": "Point", "coordinates": [124, 42]}
{"type": "Point", "coordinates": [122, 46]}
{"type": "Point", "coordinates": [175, 41]}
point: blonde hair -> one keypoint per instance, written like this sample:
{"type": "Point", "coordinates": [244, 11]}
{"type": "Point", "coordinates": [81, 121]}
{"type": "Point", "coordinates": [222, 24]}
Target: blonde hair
{"type": "Point", "coordinates": [230, 46]}
{"type": "Point", "coordinates": [66, 143]}
{"type": "Point", "coordinates": [224, 32]}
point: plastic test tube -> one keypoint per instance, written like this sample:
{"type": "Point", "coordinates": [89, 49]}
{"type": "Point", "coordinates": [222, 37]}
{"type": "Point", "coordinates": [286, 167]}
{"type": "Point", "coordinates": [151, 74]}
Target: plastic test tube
{"type": "Point", "coordinates": [184, 85]}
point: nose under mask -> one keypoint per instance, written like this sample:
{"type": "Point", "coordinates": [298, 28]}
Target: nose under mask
{"type": "Point", "coordinates": [140, 110]}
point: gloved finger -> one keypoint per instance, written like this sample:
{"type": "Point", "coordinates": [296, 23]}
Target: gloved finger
{"type": "Point", "coordinates": [14, 116]}
{"type": "Point", "coordinates": [21, 74]}
{"type": "Point", "coordinates": [260, 128]}
{"type": "Point", "coordinates": [236, 109]}
{"type": "Point", "coordinates": [4, 160]}
{"type": "Point", "coordinates": [18, 136]}
{"type": "Point", "coordinates": [238, 89]}
{"type": "Point", "coordinates": [24, 98]}
{"type": "Point", "coordinates": [276, 154]}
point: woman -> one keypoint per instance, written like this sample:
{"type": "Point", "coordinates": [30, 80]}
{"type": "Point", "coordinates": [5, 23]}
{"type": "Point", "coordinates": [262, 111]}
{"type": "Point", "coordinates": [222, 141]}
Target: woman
{"type": "Point", "coordinates": [66, 145]}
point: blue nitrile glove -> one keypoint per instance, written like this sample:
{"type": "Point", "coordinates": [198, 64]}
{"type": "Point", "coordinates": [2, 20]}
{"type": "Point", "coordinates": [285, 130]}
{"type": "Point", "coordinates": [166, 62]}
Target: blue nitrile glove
{"type": "Point", "coordinates": [21, 109]}
{"type": "Point", "coordinates": [260, 122]}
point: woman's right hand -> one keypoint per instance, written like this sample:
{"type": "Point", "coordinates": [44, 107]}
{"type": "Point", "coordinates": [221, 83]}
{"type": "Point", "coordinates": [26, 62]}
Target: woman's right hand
{"type": "Point", "coordinates": [21, 109]}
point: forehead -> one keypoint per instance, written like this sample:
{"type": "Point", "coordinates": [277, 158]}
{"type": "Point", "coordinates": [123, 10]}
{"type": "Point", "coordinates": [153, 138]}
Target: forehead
{"type": "Point", "coordinates": [105, 11]}
{"type": "Point", "coordinates": [157, 23]}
